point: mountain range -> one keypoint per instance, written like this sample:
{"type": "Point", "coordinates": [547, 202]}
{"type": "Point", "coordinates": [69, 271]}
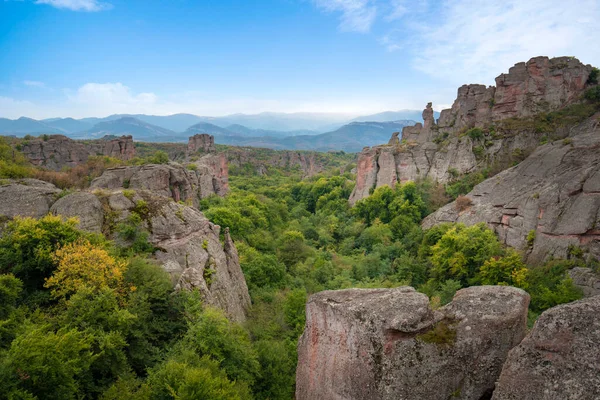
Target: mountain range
{"type": "Point", "coordinates": [314, 131]}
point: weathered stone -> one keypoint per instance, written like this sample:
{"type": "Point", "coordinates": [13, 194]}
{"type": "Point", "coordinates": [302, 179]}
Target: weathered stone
{"type": "Point", "coordinates": [389, 344]}
{"type": "Point", "coordinates": [26, 198]}
{"type": "Point", "coordinates": [201, 142]}
{"type": "Point", "coordinates": [307, 162]}
{"type": "Point", "coordinates": [553, 193]}
{"type": "Point", "coordinates": [192, 253]}
{"type": "Point", "coordinates": [586, 280]}
{"type": "Point", "coordinates": [559, 358]}
{"type": "Point", "coordinates": [366, 176]}
{"type": "Point", "coordinates": [441, 151]}
{"type": "Point", "coordinates": [171, 180]}
{"type": "Point", "coordinates": [59, 151]}
{"type": "Point", "coordinates": [83, 205]}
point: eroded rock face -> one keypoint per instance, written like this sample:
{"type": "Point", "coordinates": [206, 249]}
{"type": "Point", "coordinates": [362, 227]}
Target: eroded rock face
{"type": "Point", "coordinates": [188, 244]}
{"type": "Point", "coordinates": [441, 151]}
{"type": "Point", "coordinates": [26, 198]}
{"type": "Point", "coordinates": [83, 205]}
{"type": "Point", "coordinates": [171, 180]}
{"type": "Point", "coordinates": [59, 151]}
{"type": "Point", "coordinates": [555, 193]}
{"type": "Point", "coordinates": [586, 280]}
{"type": "Point", "coordinates": [558, 360]}
{"type": "Point", "coordinates": [307, 162]}
{"type": "Point", "coordinates": [389, 344]}
{"type": "Point", "coordinates": [201, 142]}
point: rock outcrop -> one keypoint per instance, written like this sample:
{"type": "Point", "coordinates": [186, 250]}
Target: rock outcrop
{"type": "Point", "coordinates": [201, 142]}
{"type": "Point", "coordinates": [58, 151]}
{"type": "Point", "coordinates": [553, 197]}
{"type": "Point", "coordinates": [187, 244]}
{"type": "Point", "coordinates": [586, 280]}
{"type": "Point", "coordinates": [210, 176]}
{"type": "Point", "coordinates": [559, 359]}
{"type": "Point", "coordinates": [389, 344]}
{"type": "Point", "coordinates": [261, 159]}
{"type": "Point", "coordinates": [441, 150]}
{"type": "Point", "coordinates": [26, 198]}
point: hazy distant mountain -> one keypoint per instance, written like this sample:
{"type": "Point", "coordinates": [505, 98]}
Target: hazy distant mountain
{"type": "Point", "coordinates": [350, 138]}
{"type": "Point", "coordinates": [205, 127]}
{"type": "Point", "coordinates": [320, 122]}
{"type": "Point", "coordinates": [68, 125]}
{"type": "Point", "coordinates": [24, 126]}
{"type": "Point", "coordinates": [414, 115]}
{"type": "Point", "coordinates": [129, 126]}
{"type": "Point", "coordinates": [241, 130]}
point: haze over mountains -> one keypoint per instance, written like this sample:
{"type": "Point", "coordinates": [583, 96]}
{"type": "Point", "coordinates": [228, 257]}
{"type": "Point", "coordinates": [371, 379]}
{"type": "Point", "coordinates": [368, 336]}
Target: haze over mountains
{"type": "Point", "coordinates": [306, 131]}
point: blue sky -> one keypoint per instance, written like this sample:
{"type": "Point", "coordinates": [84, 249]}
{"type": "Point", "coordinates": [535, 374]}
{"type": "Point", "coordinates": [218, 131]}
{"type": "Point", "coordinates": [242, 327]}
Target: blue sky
{"type": "Point", "coordinates": [93, 58]}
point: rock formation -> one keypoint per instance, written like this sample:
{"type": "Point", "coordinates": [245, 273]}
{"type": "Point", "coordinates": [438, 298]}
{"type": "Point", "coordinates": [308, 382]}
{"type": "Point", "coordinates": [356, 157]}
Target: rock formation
{"type": "Point", "coordinates": [201, 142]}
{"type": "Point", "coordinates": [173, 180]}
{"type": "Point", "coordinates": [441, 151]}
{"type": "Point", "coordinates": [559, 359]}
{"type": "Point", "coordinates": [26, 198]}
{"type": "Point", "coordinates": [553, 197]}
{"type": "Point", "coordinates": [389, 344]}
{"type": "Point", "coordinates": [586, 280]}
{"type": "Point", "coordinates": [307, 162]}
{"type": "Point", "coordinates": [58, 151]}
{"type": "Point", "coordinates": [187, 244]}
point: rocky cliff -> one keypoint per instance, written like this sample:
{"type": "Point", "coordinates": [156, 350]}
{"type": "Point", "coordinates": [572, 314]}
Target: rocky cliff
{"type": "Point", "coordinates": [186, 243]}
{"type": "Point", "coordinates": [545, 205]}
{"type": "Point", "coordinates": [201, 142]}
{"type": "Point", "coordinates": [389, 343]}
{"type": "Point", "coordinates": [559, 359]}
{"type": "Point", "coordinates": [501, 114]}
{"type": "Point", "coordinates": [208, 176]}
{"type": "Point", "coordinates": [58, 151]}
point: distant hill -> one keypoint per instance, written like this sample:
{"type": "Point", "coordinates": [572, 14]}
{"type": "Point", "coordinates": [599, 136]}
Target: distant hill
{"type": "Point", "coordinates": [130, 126]}
{"type": "Point", "coordinates": [205, 127]}
{"type": "Point", "coordinates": [350, 138]}
{"type": "Point", "coordinates": [415, 115]}
{"type": "Point", "coordinates": [68, 125]}
{"type": "Point", "coordinates": [24, 126]}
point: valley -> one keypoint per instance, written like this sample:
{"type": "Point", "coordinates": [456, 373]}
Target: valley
{"type": "Point", "coordinates": [452, 260]}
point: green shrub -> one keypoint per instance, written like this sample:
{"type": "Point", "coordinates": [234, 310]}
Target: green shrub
{"type": "Point", "coordinates": [593, 76]}
{"type": "Point", "coordinates": [443, 334]}
{"type": "Point", "coordinates": [475, 133]}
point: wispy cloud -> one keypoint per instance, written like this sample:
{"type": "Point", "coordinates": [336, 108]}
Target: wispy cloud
{"type": "Point", "coordinates": [77, 5]}
{"type": "Point", "coordinates": [475, 40]}
{"type": "Point", "coordinates": [37, 84]}
{"type": "Point", "coordinates": [357, 15]}
{"type": "Point", "coordinates": [111, 96]}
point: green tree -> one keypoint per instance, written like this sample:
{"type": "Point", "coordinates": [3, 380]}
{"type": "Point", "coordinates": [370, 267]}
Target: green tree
{"type": "Point", "coordinates": [47, 364]}
{"type": "Point", "coordinates": [27, 248]}
{"type": "Point", "coordinates": [461, 251]}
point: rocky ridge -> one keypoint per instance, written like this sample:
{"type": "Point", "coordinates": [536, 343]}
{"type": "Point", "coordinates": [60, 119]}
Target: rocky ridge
{"type": "Point", "coordinates": [57, 151]}
{"type": "Point", "coordinates": [186, 243]}
{"type": "Point", "coordinates": [547, 204]}
{"type": "Point", "coordinates": [441, 150]}
{"type": "Point", "coordinates": [389, 343]}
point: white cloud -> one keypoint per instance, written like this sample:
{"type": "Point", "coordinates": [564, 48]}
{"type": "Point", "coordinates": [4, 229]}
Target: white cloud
{"type": "Point", "coordinates": [77, 5]}
{"type": "Point", "coordinates": [357, 15]}
{"type": "Point", "coordinates": [37, 84]}
{"type": "Point", "coordinates": [475, 40]}
{"type": "Point", "coordinates": [111, 98]}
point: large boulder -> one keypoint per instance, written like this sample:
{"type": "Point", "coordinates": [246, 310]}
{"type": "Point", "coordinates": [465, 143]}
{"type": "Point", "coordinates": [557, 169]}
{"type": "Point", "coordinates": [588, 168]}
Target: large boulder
{"type": "Point", "coordinates": [26, 198]}
{"type": "Point", "coordinates": [201, 142]}
{"type": "Point", "coordinates": [389, 343]}
{"type": "Point", "coordinates": [559, 359]}
{"type": "Point", "coordinates": [83, 205]}
{"type": "Point", "coordinates": [552, 198]}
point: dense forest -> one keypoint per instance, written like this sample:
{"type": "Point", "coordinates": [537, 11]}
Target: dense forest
{"type": "Point", "coordinates": [82, 316]}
